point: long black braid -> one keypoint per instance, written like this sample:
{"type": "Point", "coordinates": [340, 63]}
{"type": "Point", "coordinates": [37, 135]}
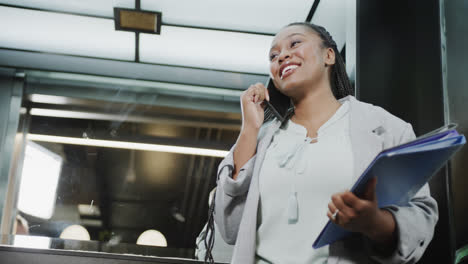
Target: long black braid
{"type": "Point", "coordinates": [339, 81]}
{"type": "Point", "coordinates": [209, 238]}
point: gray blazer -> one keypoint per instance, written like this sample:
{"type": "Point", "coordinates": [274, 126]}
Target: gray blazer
{"type": "Point", "coordinates": [372, 129]}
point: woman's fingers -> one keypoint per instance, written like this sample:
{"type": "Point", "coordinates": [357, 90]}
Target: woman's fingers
{"type": "Point", "coordinates": [369, 193]}
{"type": "Point", "coordinates": [355, 214]}
{"type": "Point", "coordinates": [351, 200]}
{"type": "Point", "coordinates": [258, 92]}
{"type": "Point", "coordinates": [252, 106]}
{"type": "Point", "coordinates": [345, 210]}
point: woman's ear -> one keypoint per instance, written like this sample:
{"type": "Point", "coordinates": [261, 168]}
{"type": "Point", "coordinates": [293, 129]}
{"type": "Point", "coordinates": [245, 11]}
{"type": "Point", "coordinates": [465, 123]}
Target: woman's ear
{"type": "Point", "coordinates": [330, 56]}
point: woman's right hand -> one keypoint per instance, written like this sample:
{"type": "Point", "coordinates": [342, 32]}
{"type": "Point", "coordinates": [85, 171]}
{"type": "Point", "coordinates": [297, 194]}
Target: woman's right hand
{"type": "Point", "coordinates": [252, 107]}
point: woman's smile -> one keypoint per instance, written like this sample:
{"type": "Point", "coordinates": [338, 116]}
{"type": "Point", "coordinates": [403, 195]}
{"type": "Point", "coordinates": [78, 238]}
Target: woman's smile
{"type": "Point", "coordinates": [287, 69]}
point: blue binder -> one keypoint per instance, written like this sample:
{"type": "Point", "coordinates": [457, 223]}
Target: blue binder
{"type": "Point", "coordinates": [401, 171]}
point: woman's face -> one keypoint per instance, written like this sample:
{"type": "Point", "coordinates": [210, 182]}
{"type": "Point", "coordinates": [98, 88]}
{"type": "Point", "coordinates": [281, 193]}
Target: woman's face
{"type": "Point", "coordinates": [297, 59]}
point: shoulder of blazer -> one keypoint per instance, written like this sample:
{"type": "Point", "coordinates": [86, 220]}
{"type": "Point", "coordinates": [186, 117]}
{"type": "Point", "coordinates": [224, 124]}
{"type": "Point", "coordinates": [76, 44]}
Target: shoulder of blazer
{"type": "Point", "coordinates": [391, 124]}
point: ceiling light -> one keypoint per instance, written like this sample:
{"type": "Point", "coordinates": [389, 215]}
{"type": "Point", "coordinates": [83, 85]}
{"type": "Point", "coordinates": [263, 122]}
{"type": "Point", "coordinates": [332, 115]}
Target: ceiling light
{"type": "Point", "coordinates": [128, 145]}
{"type": "Point", "coordinates": [208, 49]}
{"type": "Point", "coordinates": [137, 20]}
{"type": "Point", "coordinates": [244, 15]}
{"type": "Point", "coordinates": [127, 84]}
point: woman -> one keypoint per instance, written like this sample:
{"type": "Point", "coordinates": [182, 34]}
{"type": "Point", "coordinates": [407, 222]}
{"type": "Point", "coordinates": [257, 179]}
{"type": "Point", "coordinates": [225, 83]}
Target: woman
{"type": "Point", "coordinates": [275, 184]}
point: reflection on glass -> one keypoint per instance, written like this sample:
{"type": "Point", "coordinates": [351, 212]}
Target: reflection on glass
{"type": "Point", "coordinates": [76, 232]}
{"type": "Point", "coordinates": [152, 238]}
{"type": "Point", "coordinates": [31, 242]}
{"type": "Point", "coordinates": [89, 210]}
{"type": "Point", "coordinates": [117, 186]}
{"type": "Point", "coordinates": [39, 181]}
{"type": "Point", "coordinates": [128, 145]}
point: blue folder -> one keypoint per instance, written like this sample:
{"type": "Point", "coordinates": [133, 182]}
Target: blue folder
{"type": "Point", "coordinates": [401, 172]}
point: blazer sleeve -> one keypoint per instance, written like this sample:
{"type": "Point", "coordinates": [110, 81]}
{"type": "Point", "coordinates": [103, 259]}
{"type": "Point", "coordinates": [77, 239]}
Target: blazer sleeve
{"type": "Point", "coordinates": [231, 194]}
{"type": "Point", "coordinates": [415, 223]}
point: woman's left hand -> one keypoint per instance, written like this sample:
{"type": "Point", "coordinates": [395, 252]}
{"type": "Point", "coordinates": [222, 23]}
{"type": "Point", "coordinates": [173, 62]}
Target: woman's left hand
{"type": "Point", "coordinates": [363, 215]}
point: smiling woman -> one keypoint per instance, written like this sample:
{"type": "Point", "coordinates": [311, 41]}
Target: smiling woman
{"type": "Point", "coordinates": [275, 183]}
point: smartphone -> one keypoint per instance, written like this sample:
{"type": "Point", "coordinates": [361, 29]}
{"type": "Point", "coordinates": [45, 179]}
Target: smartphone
{"type": "Point", "coordinates": [279, 105]}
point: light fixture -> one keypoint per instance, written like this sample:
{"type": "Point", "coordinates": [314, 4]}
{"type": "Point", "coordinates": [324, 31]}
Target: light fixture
{"type": "Point", "coordinates": [128, 145]}
{"type": "Point", "coordinates": [135, 20]}
{"type": "Point", "coordinates": [243, 15]}
{"type": "Point", "coordinates": [125, 84]}
{"type": "Point", "coordinates": [152, 237]}
{"type": "Point", "coordinates": [183, 121]}
{"type": "Point", "coordinates": [208, 49]}
{"type": "Point", "coordinates": [74, 114]}
{"type": "Point", "coordinates": [76, 232]}
{"type": "Point", "coordinates": [39, 178]}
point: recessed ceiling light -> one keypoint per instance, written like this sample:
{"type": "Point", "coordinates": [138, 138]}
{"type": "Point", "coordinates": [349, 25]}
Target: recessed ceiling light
{"type": "Point", "coordinates": [137, 20]}
{"type": "Point", "coordinates": [128, 145]}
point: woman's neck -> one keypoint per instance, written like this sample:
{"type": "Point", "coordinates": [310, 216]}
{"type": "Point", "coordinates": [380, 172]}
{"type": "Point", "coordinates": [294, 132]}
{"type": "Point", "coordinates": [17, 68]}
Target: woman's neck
{"type": "Point", "coordinates": [315, 108]}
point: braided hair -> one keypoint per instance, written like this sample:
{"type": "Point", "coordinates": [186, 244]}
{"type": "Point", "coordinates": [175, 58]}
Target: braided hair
{"type": "Point", "coordinates": [339, 81]}
{"type": "Point", "coordinates": [209, 237]}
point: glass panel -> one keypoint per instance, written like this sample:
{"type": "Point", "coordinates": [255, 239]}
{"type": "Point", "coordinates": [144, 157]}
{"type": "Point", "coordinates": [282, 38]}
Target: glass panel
{"type": "Point", "coordinates": [86, 7]}
{"type": "Point", "coordinates": [66, 34]}
{"type": "Point", "coordinates": [454, 54]}
{"type": "Point", "coordinates": [207, 49]}
{"type": "Point", "coordinates": [254, 16]}
{"type": "Point", "coordinates": [114, 188]}
{"type": "Point", "coordinates": [336, 23]}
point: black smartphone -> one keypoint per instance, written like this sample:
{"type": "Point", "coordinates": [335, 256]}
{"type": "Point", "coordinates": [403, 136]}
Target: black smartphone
{"type": "Point", "coordinates": [279, 105]}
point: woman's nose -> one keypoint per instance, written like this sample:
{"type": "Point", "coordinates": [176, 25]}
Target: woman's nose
{"type": "Point", "coordinates": [284, 56]}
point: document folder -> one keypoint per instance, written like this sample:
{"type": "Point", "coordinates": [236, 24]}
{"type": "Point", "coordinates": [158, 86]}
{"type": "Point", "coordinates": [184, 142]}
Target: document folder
{"type": "Point", "coordinates": [401, 172]}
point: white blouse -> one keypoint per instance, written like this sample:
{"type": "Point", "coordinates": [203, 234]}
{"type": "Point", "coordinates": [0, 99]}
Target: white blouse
{"type": "Point", "coordinates": [297, 180]}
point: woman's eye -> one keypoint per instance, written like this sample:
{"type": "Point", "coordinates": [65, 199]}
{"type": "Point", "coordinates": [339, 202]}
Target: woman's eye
{"type": "Point", "coordinates": [294, 43]}
{"type": "Point", "coordinates": [273, 56]}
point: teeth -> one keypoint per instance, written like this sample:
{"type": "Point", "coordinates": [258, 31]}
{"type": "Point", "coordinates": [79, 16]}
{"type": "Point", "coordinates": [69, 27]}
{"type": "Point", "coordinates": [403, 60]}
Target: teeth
{"type": "Point", "coordinates": [288, 68]}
